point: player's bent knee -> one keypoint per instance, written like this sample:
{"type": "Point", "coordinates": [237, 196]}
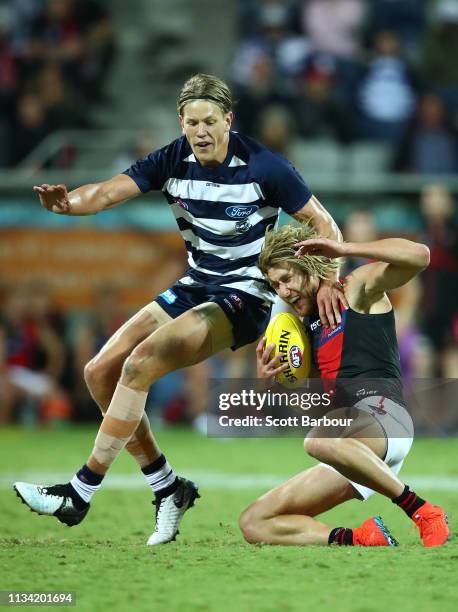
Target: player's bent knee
{"type": "Point", "coordinates": [133, 368]}
{"type": "Point", "coordinates": [164, 351]}
{"type": "Point", "coordinates": [91, 373]}
{"type": "Point", "coordinates": [320, 448]}
{"type": "Point", "coordinates": [312, 446]}
{"type": "Point", "coordinates": [249, 526]}
{"type": "Point", "coordinates": [149, 361]}
{"type": "Point", "coordinates": [97, 376]}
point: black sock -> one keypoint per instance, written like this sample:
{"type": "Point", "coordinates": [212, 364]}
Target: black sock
{"type": "Point", "coordinates": [85, 474]}
{"type": "Point", "coordinates": [341, 536]}
{"type": "Point", "coordinates": [156, 465]}
{"type": "Point", "coordinates": [408, 501]}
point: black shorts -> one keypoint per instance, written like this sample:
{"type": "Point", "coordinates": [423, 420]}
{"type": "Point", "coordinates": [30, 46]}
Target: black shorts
{"type": "Point", "coordinates": [249, 315]}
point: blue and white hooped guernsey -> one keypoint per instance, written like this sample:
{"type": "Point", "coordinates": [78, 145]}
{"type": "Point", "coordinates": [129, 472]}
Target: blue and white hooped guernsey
{"type": "Point", "coordinates": [224, 211]}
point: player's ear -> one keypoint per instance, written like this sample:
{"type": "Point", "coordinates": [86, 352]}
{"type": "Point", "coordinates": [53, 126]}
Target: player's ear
{"type": "Point", "coordinates": [229, 118]}
{"type": "Point", "coordinates": [181, 122]}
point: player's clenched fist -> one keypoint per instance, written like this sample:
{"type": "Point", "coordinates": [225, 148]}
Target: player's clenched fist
{"type": "Point", "coordinates": [54, 198]}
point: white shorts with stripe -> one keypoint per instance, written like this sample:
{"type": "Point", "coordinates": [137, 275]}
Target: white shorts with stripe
{"type": "Point", "coordinates": [398, 427]}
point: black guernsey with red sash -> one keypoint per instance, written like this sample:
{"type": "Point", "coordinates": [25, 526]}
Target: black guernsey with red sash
{"type": "Point", "coordinates": [358, 358]}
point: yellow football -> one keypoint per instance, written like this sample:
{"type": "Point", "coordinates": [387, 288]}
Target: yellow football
{"type": "Point", "coordinates": [288, 334]}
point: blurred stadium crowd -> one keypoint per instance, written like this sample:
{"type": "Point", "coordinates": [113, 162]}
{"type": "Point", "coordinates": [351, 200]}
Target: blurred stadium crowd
{"type": "Point", "coordinates": [351, 70]}
{"type": "Point", "coordinates": [341, 70]}
{"type": "Point", "coordinates": [54, 56]}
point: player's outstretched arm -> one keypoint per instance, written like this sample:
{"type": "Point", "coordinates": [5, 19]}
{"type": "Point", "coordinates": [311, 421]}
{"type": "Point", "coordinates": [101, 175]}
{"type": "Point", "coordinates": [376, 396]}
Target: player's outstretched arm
{"type": "Point", "coordinates": [330, 294]}
{"type": "Point", "coordinates": [88, 199]}
{"type": "Point", "coordinates": [397, 261]}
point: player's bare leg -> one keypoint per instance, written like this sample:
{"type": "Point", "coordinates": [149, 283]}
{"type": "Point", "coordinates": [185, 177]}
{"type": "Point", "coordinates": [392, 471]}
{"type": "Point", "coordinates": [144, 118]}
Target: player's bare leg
{"type": "Point", "coordinates": [189, 339]}
{"type": "Point", "coordinates": [285, 515]}
{"type": "Point", "coordinates": [192, 337]}
{"type": "Point", "coordinates": [357, 452]}
{"type": "Point", "coordinates": [102, 374]}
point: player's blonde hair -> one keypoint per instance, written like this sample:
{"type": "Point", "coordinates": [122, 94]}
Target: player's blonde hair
{"type": "Point", "coordinates": [205, 87]}
{"type": "Point", "coordinates": [279, 249]}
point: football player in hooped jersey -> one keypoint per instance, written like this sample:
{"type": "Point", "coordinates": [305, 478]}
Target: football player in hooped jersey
{"type": "Point", "coordinates": [224, 190]}
{"type": "Point", "coordinates": [360, 355]}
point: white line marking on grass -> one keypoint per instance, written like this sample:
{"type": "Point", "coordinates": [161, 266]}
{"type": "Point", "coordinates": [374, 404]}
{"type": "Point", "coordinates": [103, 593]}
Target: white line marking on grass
{"type": "Point", "coordinates": [214, 480]}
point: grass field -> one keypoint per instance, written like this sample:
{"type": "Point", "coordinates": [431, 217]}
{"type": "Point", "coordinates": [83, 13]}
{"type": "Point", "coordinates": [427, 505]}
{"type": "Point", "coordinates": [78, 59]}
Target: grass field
{"type": "Point", "coordinates": [106, 563]}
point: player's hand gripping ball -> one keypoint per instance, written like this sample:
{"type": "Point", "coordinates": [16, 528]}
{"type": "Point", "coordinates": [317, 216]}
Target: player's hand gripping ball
{"type": "Point", "coordinates": [287, 332]}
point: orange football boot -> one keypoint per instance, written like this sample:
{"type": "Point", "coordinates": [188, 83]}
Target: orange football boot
{"type": "Point", "coordinates": [373, 532]}
{"type": "Point", "coordinates": [432, 523]}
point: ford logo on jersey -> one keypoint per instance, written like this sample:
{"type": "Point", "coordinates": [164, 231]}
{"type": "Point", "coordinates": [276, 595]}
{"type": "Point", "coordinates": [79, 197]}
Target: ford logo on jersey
{"type": "Point", "coordinates": [240, 212]}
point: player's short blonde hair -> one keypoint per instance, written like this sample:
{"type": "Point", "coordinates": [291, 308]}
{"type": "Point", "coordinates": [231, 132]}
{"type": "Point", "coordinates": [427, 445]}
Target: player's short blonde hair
{"type": "Point", "coordinates": [279, 249]}
{"type": "Point", "coordinates": [205, 87]}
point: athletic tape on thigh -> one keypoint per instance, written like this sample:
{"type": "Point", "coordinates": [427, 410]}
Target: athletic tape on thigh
{"type": "Point", "coordinates": [158, 313]}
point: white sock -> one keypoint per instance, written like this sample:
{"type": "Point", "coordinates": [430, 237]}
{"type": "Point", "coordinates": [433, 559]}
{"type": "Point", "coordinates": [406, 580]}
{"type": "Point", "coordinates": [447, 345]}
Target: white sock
{"type": "Point", "coordinates": [84, 490]}
{"type": "Point", "coordinates": [161, 477]}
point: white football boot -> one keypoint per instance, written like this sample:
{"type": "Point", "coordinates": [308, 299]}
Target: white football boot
{"type": "Point", "coordinates": [170, 511]}
{"type": "Point", "coordinates": [56, 500]}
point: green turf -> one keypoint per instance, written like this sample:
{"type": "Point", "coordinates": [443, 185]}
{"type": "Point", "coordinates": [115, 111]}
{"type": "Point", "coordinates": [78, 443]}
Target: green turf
{"type": "Point", "coordinates": [105, 560]}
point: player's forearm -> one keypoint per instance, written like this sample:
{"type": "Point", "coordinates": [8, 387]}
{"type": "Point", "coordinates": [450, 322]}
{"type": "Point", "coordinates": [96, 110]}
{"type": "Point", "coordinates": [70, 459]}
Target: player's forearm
{"type": "Point", "coordinates": [89, 199]}
{"type": "Point", "coordinates": [328, 227]}
{"type": "Point", "coordinates": [320, 219]}
{"type": "Point", "coordinates": [324, 225]}
{"type": "Point", "coordinates": [396, 251]}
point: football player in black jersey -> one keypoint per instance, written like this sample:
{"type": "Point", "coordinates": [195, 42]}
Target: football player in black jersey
{"type": "Point", "coordinates": [365, 457]}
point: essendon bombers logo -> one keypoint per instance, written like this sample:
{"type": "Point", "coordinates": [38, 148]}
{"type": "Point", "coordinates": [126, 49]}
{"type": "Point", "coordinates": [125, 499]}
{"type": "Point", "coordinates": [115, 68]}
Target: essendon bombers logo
{"type": "Point", "coordinates": [295, 356]}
